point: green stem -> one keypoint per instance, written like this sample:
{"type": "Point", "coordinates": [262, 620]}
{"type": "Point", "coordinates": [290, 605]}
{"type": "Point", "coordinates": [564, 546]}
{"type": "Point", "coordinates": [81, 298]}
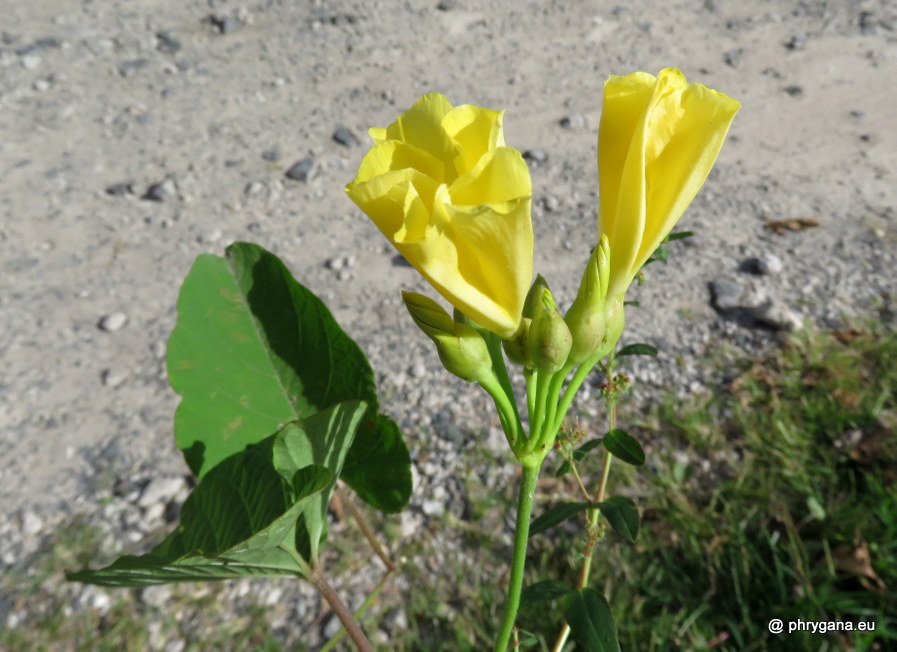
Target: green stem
{"type": "Point", "coordinates": [532, 379]}
{"type": "Point", "coordinates": [593, 515]}
{"type": "Point", "coordinates": [507, 412]}
{"type": "Point", "coordinates": [572, 387]}
{"type": "Point", "coordinates": [521, 535]}
{"type": "Point", "coordinates": [535, 426]}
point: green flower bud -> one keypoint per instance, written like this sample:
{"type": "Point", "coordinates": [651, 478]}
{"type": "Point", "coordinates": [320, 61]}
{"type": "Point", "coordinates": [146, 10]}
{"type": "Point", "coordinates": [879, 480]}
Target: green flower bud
{"type": "Point", "coordinates": [515, 347]}
{"type": "Point", "coordinates": [586, 317]}
{"type": "Point", "coordinates": [461, 348]}
{"type": "Point", "coordinates": [548, 340]}
{"type": "Point", "coordinates": [534, 296]}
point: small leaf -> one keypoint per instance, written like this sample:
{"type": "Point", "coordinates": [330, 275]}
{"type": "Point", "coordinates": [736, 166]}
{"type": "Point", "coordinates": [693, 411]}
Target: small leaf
{"type": "Point", "coordinates": [526, 639]}
{"type": "Point", "coordinates": [632, 303]}
{"type": "Point", "coordinates": [622, 515]}
{"type": "Point", "coordinates": [591, 622]}
{"type": "Point", "coordinates": [637, 349]}
{"type": "Point", "coordinates": [544, 590]}
{"type": "Point", "coordinates": [557, 514]}
{"type": "Point", "coordinates": [679, 235]}
{"type": "Point", "coordinates": [623, 445]}
{"type": "Point", "coordinates": [578, 455]}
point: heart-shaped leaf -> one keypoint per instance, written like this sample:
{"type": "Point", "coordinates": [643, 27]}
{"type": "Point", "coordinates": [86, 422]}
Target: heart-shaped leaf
{"type": "Point", "coordinates": [253, 350]}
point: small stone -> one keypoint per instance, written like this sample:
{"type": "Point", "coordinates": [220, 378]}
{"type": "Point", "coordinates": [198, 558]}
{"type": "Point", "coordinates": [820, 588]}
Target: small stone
{"type": "Point", "coordinates": [160, 490]}
{"type": "Point", "coordinates": [769, 264]}
{"type": "Point", "coordinates": [726, 295]}
{"type": "Point", "coordinates": [446, 5]}
{"type": "Point", "coordinates": [302, 170]}
{"type": "Point", "coordinates": [31, 523]}
{"type": "Point", "coordinates": [573, 121]}
{"type": "Point", "coordinates": [331, 627]}
{"type": "Point", "coordinates": [794, 90]}
{"type": "Point", "coordinates": [254, 189]}
{"type": "Point", "coordinates": [536, 155]}
{"type": "Point", "coordinates": [120, 189]}
{"type": "Point", "coordinates": [550, 203]}
{"type": "Point", "coordinates": [161, 191]}
{"type": "Point", "coordinates": [113, 322]}
{"type": "Point", "coordinates": [224, 23]}
{"type": "Point", "coordinates": [733, 57]}
{"type": "Point", "coordinates": [156, 596]}
{"type": "Point", "coordinates": [417, 371]}
{"type": "Point", "coordinates": [345, 137]}
{"type": "Point", "coordinates": [166, 42]}
{"type": "Point", "coordinates": [796, 42]}
{"type": "Point", "coordinates": [272, 154]}
{"type": "Point", "coordinates": [336, 264]}
{"type": "Point", "coordinates": [113, 377]}
{"type": "Point", "coordinates": [41, 85]}
{"type": "Point", "coordinates": [30, 61]}
{"type": "Point", "coordinates": [129, 68]}
{"type": "Point", "coordinates": [433, 508]}
{"type": "Point", "coordinates": [776, 315]}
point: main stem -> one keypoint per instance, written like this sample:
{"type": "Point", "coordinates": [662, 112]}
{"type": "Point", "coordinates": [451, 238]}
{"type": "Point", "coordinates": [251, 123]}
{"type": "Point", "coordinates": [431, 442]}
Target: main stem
{"type": "Point", "coordinates": [518, 561]}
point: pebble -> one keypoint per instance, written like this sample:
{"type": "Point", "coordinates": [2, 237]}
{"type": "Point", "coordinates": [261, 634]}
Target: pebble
{"type": "Point", "coordinates": [302, 170]}
{"type": "Point", "coordinates": [161, 191]}
{"type": "Point", "coordinates": [224, 23]}
{"type": "Point", "coordinates": [31, 523]}
{"type": "Point", "coordinates": [336, 264]}
{"type": "Point", "coordinates": [160, 490]}
{"type": "Point", "coordinates": [345, 137]}
{"type": "Point", "coordinates": [733, 57]}
{"type": "Point", "coordinates": [129, 68]}
{"type": "Point", "coordinates": [794, 90]}
{"type": "Point", "coordinates": [433, 508]}
{"type": "Point", "coordinates": [573, 121]}
{"type": "Point", "coordinates": [417, 371]}
{"type": "Point", "coordinates": [726, 295]}
{"type": "Point", "coordinates": [113, 377]}
{"type": "Point", "coordinates": [166, 42]}
{"type": "Point", "coordinates": [446, 5]}
{"type": "Point", "coordinates": [120, 189]}
{"type": "Point", "coordinates": [769, 264]}
{"type": "Point", "coordinates": [272, 154]}
{"type": "Point", "coordinates": [113, 322]}
{"type": "Point", "coordinates": [331, 627]}
{"type": "Point", "coordinates": [536, 155]}
{"type": "Point", "coordinates": [550, 203]}
{"type": "Point", "coordinates": [776, 315]}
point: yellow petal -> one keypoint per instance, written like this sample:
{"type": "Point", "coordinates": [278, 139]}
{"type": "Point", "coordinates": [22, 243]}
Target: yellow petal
{"type": "Point", "coordinates": [393, 155]}
{"type": "Point", "coordinates": [621, 178]}
{"type": "Point", "coordinates": [499, 176]}
{"type": "Point", "coordinates": [688, 124]}
{"type": "Point", "coordinates": [475, 131]}
{"type": "Point", "coordinates": [421, 126]}
{"type": "Point", "coordinates": [385, 198]}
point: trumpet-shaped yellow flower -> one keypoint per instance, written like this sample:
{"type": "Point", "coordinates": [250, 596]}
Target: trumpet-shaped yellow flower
{"type": "Point", "coordinates": [658, 138]}
{"type": "Point", "coordinates": [440, 184]}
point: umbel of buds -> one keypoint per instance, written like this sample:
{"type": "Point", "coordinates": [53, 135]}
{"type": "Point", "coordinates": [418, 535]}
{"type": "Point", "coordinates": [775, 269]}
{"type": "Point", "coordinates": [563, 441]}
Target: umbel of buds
{"type": "Point", "coordinates": [462, 349]}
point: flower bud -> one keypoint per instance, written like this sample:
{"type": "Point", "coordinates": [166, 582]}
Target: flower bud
{"type": "Point", "coordinates": [548, 339]}
{"type": "Point", "coordinates": [515, 347]}
{"type": "Point", "coordinates": [461, 348]}
{"type": "Point", "coordinates": [586, 317]}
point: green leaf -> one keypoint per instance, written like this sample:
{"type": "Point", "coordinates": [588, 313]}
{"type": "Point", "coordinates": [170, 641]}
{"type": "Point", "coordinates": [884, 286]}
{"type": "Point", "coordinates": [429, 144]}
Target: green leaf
{"type": "Point", "coordinates": [253, 350]}
{"type": "Point", "coordinates": [557, 514]}
{"type": "Point", "coordinates": [378, 466]}
{"type": "Point", "coordinates": [622, 515]}
{"type": "Point", "coordinates": [239, 521]}
{"type": "Point", "coordinates": [526, 639]}
{"type": "Point", "coordinates": [637, 349]}
{"type": "Point", "coordinates": [578, 455]}
{"type": "Point", "coordinates": [542, 591]}
{"type": "Point", "coordinates": [632, 303]}
{"type": "Point", "coordinates": [623, 445]}
{"type": "Point", "coordinates": [591, 622]}
{"type": "Point", "coordinates": [679, 235]}
{"type": "Point", "coordinates": [322, 439]}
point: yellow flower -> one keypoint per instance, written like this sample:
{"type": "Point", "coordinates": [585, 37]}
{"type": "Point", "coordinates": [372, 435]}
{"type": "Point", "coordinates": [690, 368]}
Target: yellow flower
{"type": "Point", "coordinates": [657, 141]}
{"type": "Point", "coordinates": [455, 202]}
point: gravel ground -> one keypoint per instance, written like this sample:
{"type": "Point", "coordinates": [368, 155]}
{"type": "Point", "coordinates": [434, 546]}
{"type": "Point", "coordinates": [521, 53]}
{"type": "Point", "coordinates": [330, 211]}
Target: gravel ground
{"type": "Point", "coordinates": [135, 136]}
